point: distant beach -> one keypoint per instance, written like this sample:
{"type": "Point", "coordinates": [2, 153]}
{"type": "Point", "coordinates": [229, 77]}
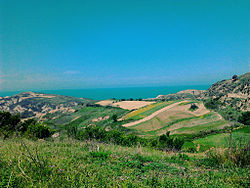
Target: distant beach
{"type": "Point", "coordinates": [108, 93]}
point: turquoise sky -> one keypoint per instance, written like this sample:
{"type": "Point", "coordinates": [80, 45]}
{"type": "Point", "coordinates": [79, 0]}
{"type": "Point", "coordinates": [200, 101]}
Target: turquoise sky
{"type": "Point", "coordinates": [57, 44]}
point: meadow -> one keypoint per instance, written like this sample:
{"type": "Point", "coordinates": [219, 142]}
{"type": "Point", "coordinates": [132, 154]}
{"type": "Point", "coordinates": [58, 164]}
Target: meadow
{"type": "Point", "coordinates": [66, 162]}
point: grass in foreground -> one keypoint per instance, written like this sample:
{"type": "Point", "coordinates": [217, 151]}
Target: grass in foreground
{"type": "Point", "coordinates": [70, 163]}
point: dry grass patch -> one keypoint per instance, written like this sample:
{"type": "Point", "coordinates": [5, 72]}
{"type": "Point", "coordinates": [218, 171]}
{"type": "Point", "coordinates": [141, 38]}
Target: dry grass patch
{"type": "Point", "coordinates": [128, 105]}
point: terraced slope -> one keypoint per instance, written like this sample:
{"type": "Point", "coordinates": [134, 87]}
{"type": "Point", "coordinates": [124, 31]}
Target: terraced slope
{"type": "Point", "coordinates": [150, 116]}
{"type": "Point", "coordinates": [178, 119]}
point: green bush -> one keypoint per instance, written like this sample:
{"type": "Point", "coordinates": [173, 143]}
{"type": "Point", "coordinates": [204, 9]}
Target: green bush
{"type": "Point", "coordinates": [193, 107]}
{"type": "Point", "coordinates": [39, 131]}
{"type": "Point", "coordinates": [8, 123]}
{"type": "Point", "coordinates": [212, 103]}
{"type": "Point", "coordinates": [245, 118]}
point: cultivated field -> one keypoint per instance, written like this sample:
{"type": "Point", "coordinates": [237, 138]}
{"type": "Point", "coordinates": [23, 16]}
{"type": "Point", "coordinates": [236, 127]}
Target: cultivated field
{"type": "Point", "coordinates": [128, 105]}
{"type": "Point", "coordinates": [179, 119]}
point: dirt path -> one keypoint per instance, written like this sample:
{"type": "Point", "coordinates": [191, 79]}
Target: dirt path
{"type": "Point", "coordinates": [152, 115]}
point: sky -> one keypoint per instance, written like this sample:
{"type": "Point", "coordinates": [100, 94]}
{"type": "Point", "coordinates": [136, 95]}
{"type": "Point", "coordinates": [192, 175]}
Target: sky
{"type": "Point", "coordinates": [70, 44]}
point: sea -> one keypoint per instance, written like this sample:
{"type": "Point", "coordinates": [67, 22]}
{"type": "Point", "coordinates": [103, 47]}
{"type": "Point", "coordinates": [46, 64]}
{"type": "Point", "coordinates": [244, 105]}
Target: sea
{"type": "Point", "coordinates": [118, 93]}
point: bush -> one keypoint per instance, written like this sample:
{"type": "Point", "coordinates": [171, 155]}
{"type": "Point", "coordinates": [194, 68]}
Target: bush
{"type": "Point", "coordinates": [8, 123]}
{"type": "Point", "coordinates": [212, 103]}
{"type": "Point", "coordinates": [39, 131]}
{"type": "Point", "coordinates": [245, 118]}
{"type": "Point", "coordinates": [130, 140]}
{"type": "Point", "coordinates": [193, 107]}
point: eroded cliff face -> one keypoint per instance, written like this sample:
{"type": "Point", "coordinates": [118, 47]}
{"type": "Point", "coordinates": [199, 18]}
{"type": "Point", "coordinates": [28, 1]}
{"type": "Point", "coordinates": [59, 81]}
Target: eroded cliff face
{"type": "Point", "coordinates": [30, 104]}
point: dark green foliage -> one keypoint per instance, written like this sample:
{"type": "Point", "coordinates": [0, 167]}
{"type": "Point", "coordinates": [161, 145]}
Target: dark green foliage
{"type": "Point", "coordinates": [230, 113]}
{"type": "Point", "coordinates": [72, 130]}
{"type": "Point", "coordinates": [99, 154]}
{"type": "Point", "coordinates": [114, 118]}
{"type": "Point", "coordinates": [163, 142]}
{"type": "Point", "coordinates": [130, 140]}
{"type": "Point", "coordinates": [8, 123]}
{"type": "Point", "coordinates": [23, 127]}
{"type": "Point", "coordinates": [166, 142]}
{"type": "Point", "coordinates": [193, 107]}
{"type": "Point", "coordinates": [11, 123]}
{"type": "Point", "coordinates": [235, 77]}
{"type": "Point", "coordinates": [212, 103]}
{"type": "Point", "coordinates": [245, 118]}
{"type": "Point", "coordinates": [115, 136]}
{"type": "Point", "coordinates": [38, 131]}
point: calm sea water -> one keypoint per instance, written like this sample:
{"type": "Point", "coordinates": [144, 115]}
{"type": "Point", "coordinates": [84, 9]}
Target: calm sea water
{"type": "Point", "coordinates": [108, 93]}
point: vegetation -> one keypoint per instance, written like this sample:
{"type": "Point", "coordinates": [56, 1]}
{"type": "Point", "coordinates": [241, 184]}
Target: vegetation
{"type": "Point", "coordinates": [193, 107]}
{"type": "Point", "coordinates": [72, 163]}
{"type": "Point", "coordinates": [245, 118]}
{"type": "Point", "coordinates": [10, 124]}
{"type": "Point", "coordinates": [177, 148]}
{"type": "Point", "coordinates": [163, 142]}
{"type": "Point", "coordinates": [146, 111]}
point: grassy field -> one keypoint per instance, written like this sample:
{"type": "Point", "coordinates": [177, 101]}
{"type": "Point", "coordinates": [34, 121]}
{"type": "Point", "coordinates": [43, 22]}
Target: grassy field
{"type": "Point", "coordinates": [70, 163]}
{"type": "Point", "coordinates": [180, 120]}
{"type": "Point", "coordinates": [84, 117]}
{"type": "Point", "coordinates": [222, 140]}
{"type": "Point", "coordinates": [146, 111]}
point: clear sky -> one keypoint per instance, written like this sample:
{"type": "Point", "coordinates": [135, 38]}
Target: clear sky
{"type": "Point", "coordinates": [59, 44]}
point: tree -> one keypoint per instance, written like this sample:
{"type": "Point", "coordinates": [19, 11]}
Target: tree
{"type": "Point", "coordinates": [8, 123]}
{"type": "Point", "coordinates": [234, 77]}
{"type": "Point", "coordinates": [114, 117]}
{"type": "Point", "coordinates": [245, 118]}
{"type": "Point", "coordinates": [193, 107]}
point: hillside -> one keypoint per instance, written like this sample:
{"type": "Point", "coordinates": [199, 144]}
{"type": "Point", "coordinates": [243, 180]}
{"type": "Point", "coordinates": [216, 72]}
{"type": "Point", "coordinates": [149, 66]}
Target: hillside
{"type": "Point", "coordinates": [233, 92]}
{"type": "Point", "coordinates": [37, 105]}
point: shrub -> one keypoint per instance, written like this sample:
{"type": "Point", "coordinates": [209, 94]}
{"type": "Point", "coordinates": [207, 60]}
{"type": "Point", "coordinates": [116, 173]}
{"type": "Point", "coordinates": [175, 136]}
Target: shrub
{"type": "Point", "coordinates": [193, 107]}
{"type": "Point", "coordinates": [8, 123]}
{"type": "Point", "coordinates": [212, 103]}
{"type": "Point", "coordinates": [39, 131]}
{"type": "Point", "coordinates": [23, 127]}
{"type": "Point", "coordinates": [245, 118]}
{"type": "Point", "coordinates": [114, 117]}
{"type": "Point", "coordinates": [130, 140]}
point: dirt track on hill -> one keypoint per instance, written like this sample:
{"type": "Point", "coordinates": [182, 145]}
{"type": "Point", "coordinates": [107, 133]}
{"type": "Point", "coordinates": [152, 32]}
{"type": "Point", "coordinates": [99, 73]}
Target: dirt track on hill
{"type": "Point", "coordinates": [152, 115]}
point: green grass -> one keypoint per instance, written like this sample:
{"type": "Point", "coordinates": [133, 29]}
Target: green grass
{"type": "Point", "coordinates": [70, 163]}
{"type": "Point", "coordinates": [202, 127]}
{"type": "Point", "coordinates": [146, 127]}
{"type": "Point", "coordinates": [147, 110]}
{"type": "Point", "coordinates": [221, 140]}
{"type": "Point", "coordinates": [84, 117]}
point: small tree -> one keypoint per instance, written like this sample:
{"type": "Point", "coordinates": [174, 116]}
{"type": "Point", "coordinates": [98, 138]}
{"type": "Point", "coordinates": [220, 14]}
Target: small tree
{"type": "Point", "coordinates": [245, 118]}
{"type": "Point", "coordinates": [193, 107]}
{"type": "Point", "coordinates": [114, 117]}
{"type": "Point", "coordinates": [8, 123]}
{"type": "Point", "coordinates": [234, 77]}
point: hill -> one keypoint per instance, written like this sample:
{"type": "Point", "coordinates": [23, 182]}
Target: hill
{"type": "Point", "coordinates": [38, 105]}
{"type": "Point", "coordinates": [234, 92]}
